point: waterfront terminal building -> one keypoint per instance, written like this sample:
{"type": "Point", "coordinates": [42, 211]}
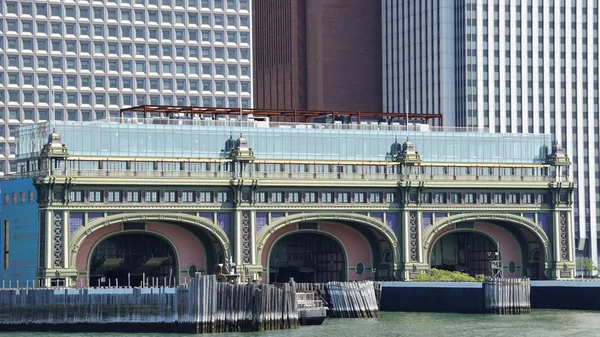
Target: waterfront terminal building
{"type": "Point", "coordinates": [154, 200]}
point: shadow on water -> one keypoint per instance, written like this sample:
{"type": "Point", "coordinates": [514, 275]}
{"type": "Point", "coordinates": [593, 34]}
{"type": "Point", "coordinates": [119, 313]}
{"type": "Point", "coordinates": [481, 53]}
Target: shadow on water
{"type": "Point", "coordinates": [544, 323]}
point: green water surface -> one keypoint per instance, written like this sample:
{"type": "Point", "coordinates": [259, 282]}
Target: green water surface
{"type": "Point", "coordinates": [540, 323]}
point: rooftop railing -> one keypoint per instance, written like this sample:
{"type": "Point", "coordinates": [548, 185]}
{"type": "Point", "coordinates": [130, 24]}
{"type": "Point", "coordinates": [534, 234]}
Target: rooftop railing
{"type": "Point", "coordinates": [226, 175]}
{"type": "Point", "coordinates": [367, 126]}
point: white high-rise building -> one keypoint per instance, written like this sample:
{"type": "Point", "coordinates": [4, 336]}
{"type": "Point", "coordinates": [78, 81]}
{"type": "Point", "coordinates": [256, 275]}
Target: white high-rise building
{"type": "Point", "coordinates": [527, 66]}
{"type": "Point", "coordinates": [84, 60]}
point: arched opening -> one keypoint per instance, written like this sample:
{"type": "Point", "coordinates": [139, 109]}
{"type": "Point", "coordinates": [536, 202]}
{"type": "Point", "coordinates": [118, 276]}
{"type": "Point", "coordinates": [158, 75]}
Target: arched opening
{"type": "Point", "coordinates": [307, 257]}
{"type": "Point", "coordinates": [132, 258]}
{"type": "Point", "coordinates": [468, 252]}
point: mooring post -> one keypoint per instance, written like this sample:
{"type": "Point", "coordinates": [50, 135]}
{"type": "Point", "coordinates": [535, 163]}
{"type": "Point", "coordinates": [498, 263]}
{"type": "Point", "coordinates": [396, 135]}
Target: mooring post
{"type": "Point", "coordinates": [143, 279]}
{"type": "Point", "coordinates": [117, 282]}
{"type": "Point", "coordinates": [17, 284]}
{"type": "Point", "coordinates": [128, 279]}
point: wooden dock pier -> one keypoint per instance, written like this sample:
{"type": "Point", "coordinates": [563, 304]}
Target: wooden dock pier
{"type": "Point", "coordinates": [203, 306]}
{"type": "Point", "coordinates": [347, 299]}
{"type": "Point", "coordinates": [507, 296]}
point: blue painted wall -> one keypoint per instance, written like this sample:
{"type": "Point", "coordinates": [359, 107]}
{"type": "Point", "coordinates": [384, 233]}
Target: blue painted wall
{"type": "Point", "coordinates": [22, 217]}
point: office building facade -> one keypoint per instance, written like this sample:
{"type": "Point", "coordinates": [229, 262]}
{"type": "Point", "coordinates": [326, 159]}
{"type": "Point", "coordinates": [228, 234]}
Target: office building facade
{"type": "Point", "coordinates": [79, 61]}
{"type": "Point", "coordinates": [509, 66]}
{"type": "Point", "coordinates": [317, 55]}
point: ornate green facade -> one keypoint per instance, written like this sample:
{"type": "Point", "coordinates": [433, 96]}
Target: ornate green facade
{"type": "Point", "coordinates": [241, 203]}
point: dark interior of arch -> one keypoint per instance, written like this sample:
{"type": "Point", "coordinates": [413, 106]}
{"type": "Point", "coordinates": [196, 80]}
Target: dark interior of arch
{"type": "Point", "coordinates": [129, 259]}
{"type": "Point", "coordinates": [467, 252]}
{"type": "Point", "coordinates": [307, 257]}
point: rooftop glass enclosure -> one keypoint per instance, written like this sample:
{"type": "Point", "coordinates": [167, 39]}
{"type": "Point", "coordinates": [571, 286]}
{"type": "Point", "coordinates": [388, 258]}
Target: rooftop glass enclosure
{"type": "Point", "coordinates": [292, 142]}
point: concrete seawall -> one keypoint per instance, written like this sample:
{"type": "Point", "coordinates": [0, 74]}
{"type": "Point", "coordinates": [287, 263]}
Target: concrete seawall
{"type": "Point", "coordinates": [462, 297]}
{"type": "Point", "coordinates": [433, 297]}
{"type": "Point", "coordinates": [574, 295]}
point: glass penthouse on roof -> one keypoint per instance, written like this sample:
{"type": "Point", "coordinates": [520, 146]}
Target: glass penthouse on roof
{"type": "Point", "coordinates": [280, 141]}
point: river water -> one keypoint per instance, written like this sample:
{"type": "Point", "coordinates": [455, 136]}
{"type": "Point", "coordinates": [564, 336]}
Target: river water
{"type": "Point", "coordinates": [544, 323]}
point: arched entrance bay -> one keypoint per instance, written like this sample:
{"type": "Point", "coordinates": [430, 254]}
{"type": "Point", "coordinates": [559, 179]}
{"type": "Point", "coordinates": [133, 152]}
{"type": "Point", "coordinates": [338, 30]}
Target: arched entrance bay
{"type": "Point", "coordinates": [468, 252]}
{"type": "Point", "coordinates": [515, 237]}
{"type": "Point", "coordinates": [198, 244]}
{"type": "Point", "coordinates": [307, 257]}
{"type": "Point", "coordinates": [129, 259]}
{"type": "Point", "coordinates": [370, 245]}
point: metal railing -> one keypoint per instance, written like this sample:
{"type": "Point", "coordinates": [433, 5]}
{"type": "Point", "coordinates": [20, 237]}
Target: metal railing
{"type": "Point", "coordinates": [370, 126]}
{"type": "Point", "coordinates": [287, 175]}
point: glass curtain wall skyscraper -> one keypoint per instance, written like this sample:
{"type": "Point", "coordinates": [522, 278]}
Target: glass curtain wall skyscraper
{"type": "Point", "coordinates": [84, 60]}
{"type": "Point", "coordinates": [526, 66]}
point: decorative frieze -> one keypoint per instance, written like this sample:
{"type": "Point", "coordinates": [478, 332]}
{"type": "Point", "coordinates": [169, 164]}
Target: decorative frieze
{"type": "Point", "coordinates": [246, 237]}
{"type": "Point", "coordinates": [413, 223]}
{"type": "Point", "coordinates": [57, 240]}
{"type": "Point", "coordinates": [42, 257]}
{"type": "Point", "coordinates": [564, 236]}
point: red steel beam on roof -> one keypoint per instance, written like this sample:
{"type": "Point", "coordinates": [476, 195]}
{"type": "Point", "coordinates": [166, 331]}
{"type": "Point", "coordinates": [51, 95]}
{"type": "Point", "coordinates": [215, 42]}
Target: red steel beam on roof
{"type": "Point", "coordinates": [295, 114]}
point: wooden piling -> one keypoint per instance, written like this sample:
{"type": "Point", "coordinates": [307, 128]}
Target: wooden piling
{"type": "Point", "coordinates": [202, 306]}
{"type": "Point", "coordinates": [507, 296]}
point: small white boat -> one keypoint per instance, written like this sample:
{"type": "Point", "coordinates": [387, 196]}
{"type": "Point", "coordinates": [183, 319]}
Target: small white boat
{"type": "Point", "coordinates": [311, 310]}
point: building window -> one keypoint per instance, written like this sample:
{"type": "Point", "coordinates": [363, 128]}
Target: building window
{"type": "Point", "coordinates": [222, 197]}
{"type": "Point", "coordinates": [293, 197]}
{"type": "Point", "coordinates": [375, 197]}
{"type": "Point", "coordinates": [512, 198]}
{"type": "Point", "coordinates": [426, 198]}
{"type": "Point", "coordinates": [6, 199]}
{"type": "Point", "coordinates": [454, 198]}
{"type": "Point", "coordinates": [114, 196]}
{"type": "Point", "coordinates": [261, 197]}
{"type": "Point", "coordinates": [169, 196]}
{"type": "Point", "coordinates": [31, 196]}
{"type": "Point", "coordinates": [528, 198]}
{"type": "Point", "coordinates": [498, 198]}
{"type": "Point", "coordinates": [469, 198]}
{"type": "Point", "coordinates": [343, 197]}
{"type": "Point", "coordinates": [187, 197]}
{"type": "Point", "coordinates": [76, 196]}
{"type": "Point", "coordinates": [542, 198]}
{"type": "Point", "coordinates": [439, 198]}
{"type": "Point", "coordinates": [23, 197]}
{"type": "Point", "coordinates": [359, 197]}
{"type": "Point", "coordinates": [133, 196]}
{"type": "Point", "coordinates": [276, 197]}
{"type": "Point", "coordinates": [484, 198]}
{"type": "Point", "coordinates": [326, 197]}
{"type": "Point", "coordinates": [390, 197]}
{"type": "Point", "coordinates": [151, 196]}
{"type": "Point", "coordinates": [205, 197]}
{"type": "Point", "coordinates": [95, 196]}
{"type": "Point", "coordinates": [310, 197]}
{"type": "Point", "coordinates": [15, 198]}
